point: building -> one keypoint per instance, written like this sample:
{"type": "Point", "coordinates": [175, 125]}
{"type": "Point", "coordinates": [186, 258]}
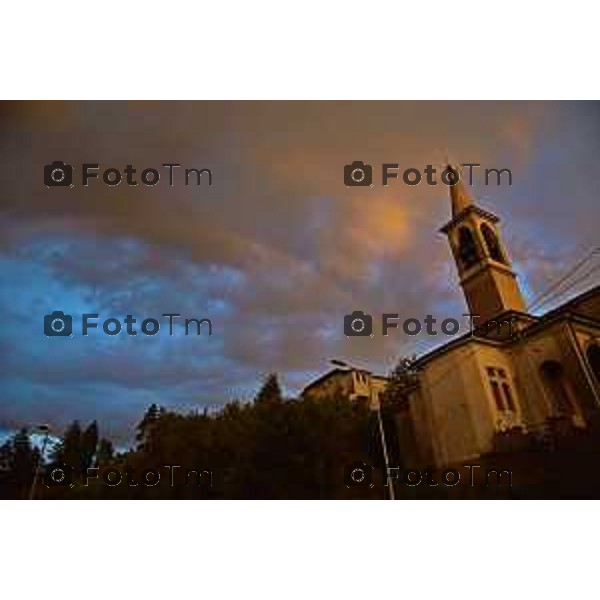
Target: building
{"type": "Point", "coordinates": [348, 382]}
{"type": "Point", "coordinates": [476, 387]}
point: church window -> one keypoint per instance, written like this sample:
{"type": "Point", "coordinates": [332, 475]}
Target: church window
{"type": "Point", "coordinates": [491, 241]}
{"type": "Point", "coordinates": [497, 395]}
{"type": "Point", "coordinates": [501, 390]}
{"type": "Point", "coordinates": [508, 396]}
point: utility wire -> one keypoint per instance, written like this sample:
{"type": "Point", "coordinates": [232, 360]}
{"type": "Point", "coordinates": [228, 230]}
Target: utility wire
{"type": "Point", "coordinates": [537, 300]}
{"type": "Point", "coordinates": [570, 286]}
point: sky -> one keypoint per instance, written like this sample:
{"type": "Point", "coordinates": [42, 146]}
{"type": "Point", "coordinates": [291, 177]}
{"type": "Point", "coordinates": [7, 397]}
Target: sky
{"type": "Point", "coordinates": [275, 252]}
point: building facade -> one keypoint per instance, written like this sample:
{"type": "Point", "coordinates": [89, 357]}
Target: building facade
{"type": "Point", "coordinates": [476, 387]}
{"type": "Point", "coordinates": [348, 382]}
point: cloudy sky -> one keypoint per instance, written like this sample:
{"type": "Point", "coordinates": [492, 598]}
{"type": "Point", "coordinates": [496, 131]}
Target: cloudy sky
{"type": "Point", "coordinates": [275, 252]}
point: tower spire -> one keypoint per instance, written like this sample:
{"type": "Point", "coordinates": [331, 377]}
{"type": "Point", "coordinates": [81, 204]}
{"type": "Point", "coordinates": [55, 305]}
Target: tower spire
{"type": "Point", "coordinates": [486, 276]}
{"type": "Point", "coordinates": [461, 198]}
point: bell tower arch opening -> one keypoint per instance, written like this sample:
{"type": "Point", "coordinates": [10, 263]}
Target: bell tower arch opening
{"type": "Point", "coordinates": [467, 248]}
{"type": "Point", "coordinates": [486, 276]}
{"type": "Point", "coordinates": [491, 241]}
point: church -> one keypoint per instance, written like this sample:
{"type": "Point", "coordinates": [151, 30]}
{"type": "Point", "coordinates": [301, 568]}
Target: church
{"type": "Point", "coordinates": [474, 388]}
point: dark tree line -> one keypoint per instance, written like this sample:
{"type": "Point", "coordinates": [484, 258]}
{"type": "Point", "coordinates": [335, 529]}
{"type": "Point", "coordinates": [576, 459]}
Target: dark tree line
{"type": "Point", "coordinates": [82, 449]}
{"type": "Point", "coordinates": [280, 448]}
{"type": "Point", "coordinates": [273, 447]}
{"type": "Point", "coordinates": [19, 458]}
{"type": "Point", "coordinates": [270, 448]}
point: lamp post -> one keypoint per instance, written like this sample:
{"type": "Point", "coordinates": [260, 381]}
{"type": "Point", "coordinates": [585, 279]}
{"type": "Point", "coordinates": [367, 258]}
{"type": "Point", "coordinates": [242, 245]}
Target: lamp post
{"type": "Point", "coordinates": [386, 459]}
{"type": "Point", "coordinates": [46, 431]}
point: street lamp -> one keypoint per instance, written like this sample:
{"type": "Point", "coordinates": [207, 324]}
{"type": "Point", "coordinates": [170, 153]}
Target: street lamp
{"type": "Point", "coordinates": [45, 429]}
{"type": "Point", "coordinates": [386, 459]}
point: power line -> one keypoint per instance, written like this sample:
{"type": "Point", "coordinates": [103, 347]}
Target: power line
{"type": "Point", "coordinates": [571, 286]}
{"type": "Point", "coordinates": [537, 300]}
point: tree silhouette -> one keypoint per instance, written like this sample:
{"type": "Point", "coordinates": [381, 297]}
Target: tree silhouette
{"type": "Point", "coordinates": [69, 449]}
{"type": "Point", "coordinates": [105, 452]}
{"type": "Point", "coordinates": [146, 426]}
{"type": "Point", "coordinates": [89, 443]}
{"type": "Point", "coordinates": [266, 449]}
{"type": "Point", "coordinates": [403, 378]}
{"type": "Point", "coordinates": [18, 459]}
{"type": "Point", "coordinates": [270, 392]}
{"type": "Point", "coordinates": [269, 448]}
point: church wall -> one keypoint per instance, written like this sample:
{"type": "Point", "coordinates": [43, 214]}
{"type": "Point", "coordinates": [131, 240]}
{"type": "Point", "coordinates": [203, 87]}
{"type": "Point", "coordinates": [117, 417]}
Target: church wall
{"type": "Point", "coordinates": [548, 344]}
{"type": "Point", "coordinates": [552, 343]}
{"type": "Point", "coordinates": [415, 431]}
{"type": "Point", "coordinates": [529, 355]}
{"type": "Point", "coordinates": [586, 387]}
{"type": "Point", "coordinates": [452, 388]}
{"type": "Point", "coordinates": [454, 413]}
{"type": "Point", "coordinates": [497, 358]}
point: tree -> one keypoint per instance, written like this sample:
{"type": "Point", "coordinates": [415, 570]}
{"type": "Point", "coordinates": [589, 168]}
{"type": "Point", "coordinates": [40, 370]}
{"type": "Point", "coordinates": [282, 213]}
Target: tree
{"type": "Point", "coordinates": [147, 425]}
{"type": "Point", "coordinates": [69, 450]}
{"type": "Point", "coordinates": [270, 392]}
{"type": "Point", "coordinates": [269, 448]}
{"type": "Point", "coordinates": [18, 460]}
{"type": "Point", "coordinates": [89, 443]}
{"type": "Point", "coordinates": [403, 378]}
{"type": "Point", "coordinates": [105, 452]}
{"type": "Point", "coordinates": [24, 457]}
{"type": "Point", "coordinates": [6, 456]}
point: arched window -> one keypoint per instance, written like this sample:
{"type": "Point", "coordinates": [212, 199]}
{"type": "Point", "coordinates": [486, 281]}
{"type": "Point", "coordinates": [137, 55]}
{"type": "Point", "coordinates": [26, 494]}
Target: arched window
{"type": "Point", "coordinates": [497, 396]}
{"type": "Point", "coordinates": [467, 247]}
{"type": "Point", "coordinates": [509, 397]}
{"type": "Point", "coordinates": [503, 395]}
{"type": "Point", "coordinates": [491, 241]}
{"type": "Point", "coordinates": [554, 379]}
{"type": "Point", "coordinates": [593, 356]}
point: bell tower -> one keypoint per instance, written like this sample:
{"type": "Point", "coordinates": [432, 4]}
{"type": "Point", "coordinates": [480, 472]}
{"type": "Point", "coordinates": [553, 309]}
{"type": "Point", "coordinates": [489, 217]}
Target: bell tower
{"type": "Point", "coordinates": [485, 273]}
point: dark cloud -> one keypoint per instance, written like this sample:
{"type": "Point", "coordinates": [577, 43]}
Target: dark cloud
{"type": "Point", "coordinates": [276, 251]}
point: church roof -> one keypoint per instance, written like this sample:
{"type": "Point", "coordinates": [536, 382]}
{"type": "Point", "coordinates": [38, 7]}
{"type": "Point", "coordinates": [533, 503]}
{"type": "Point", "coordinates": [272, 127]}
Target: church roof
{"type": "Point", "coordinates": [461, 198]}
{"type": "Point", "coordinates": [584, 307]}
{"type": "Point", "coordinates": [470, 208]}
